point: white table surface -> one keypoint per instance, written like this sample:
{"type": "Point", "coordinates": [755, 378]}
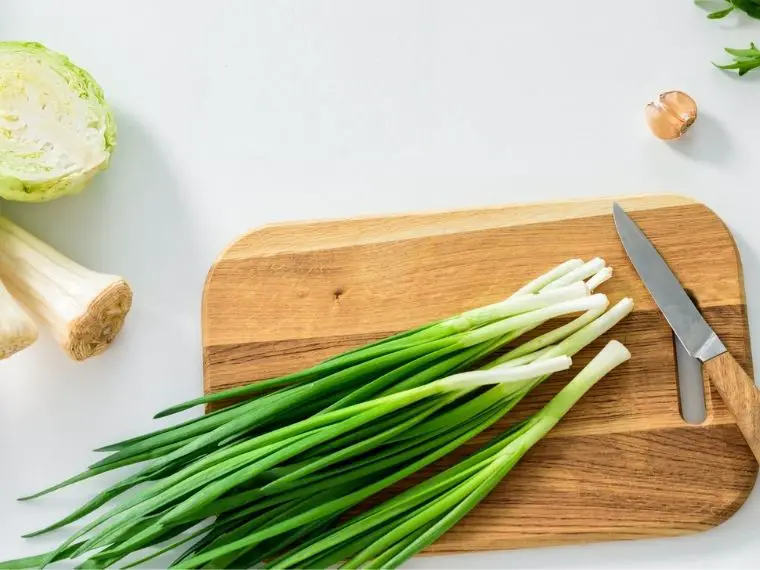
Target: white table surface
{"type": "Point", "coordinates": [237, 113]}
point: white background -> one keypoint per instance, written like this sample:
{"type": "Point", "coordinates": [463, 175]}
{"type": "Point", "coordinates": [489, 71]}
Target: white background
{"type": "Point", "coordinates": [232, 114]}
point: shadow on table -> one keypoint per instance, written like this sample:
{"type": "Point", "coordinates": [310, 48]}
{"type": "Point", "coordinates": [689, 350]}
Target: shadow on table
{"type": "Point", "coordinates": [706, 141]}
{"type": "Point", "coordinates": [130, 221]}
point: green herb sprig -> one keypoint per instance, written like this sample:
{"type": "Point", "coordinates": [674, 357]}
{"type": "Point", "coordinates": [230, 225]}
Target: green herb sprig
{"type": "Point", "coordinates": [745, 60]}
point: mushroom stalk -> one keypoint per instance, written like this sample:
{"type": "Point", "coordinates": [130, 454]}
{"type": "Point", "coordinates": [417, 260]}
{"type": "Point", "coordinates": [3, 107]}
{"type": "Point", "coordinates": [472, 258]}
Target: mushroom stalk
{"type": "Point", "coordinates": [17, 329]}
{"type": "Point", "coordinates": [84, 310]}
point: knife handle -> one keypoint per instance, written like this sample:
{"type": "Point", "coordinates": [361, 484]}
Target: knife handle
{"type": "Point", "coordinates": [740, 394]}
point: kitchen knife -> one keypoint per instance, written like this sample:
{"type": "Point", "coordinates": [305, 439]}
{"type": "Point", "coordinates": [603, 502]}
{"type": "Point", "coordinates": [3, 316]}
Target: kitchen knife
{"type": "Point", "coordinates": [736, 388]}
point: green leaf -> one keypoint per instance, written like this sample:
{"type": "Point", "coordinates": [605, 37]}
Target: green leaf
{"type": "Point", "coordinates": [423, 365]}
{"type": "Point", "coordinates": [401, 503]}
{"type": "Point", "coordinates": [752, 9]}
{"type": "Point", "coordinates": [336, 364]}
{"type": "Point", "coordinates": [449, 520]}
{"type": "Point", "coordinates": [419, 414]}
{"type": "Point", "coordinates": [256, 557]}
{"type": "Point", "coordinates": [720, 13]}
{"type": "Point", "coordinates": [271, 517]}
{"type": "Point", "coordinates": [745, 60]}
{"type": "Point", "coordinates": [741, 66]}
{"type": "Point", "coordinates": [331, 507]}
{"type": "Point", "coordinates": [751, 53]}
{"type": "Point", "coordinates": [169, 547]}
{"type": "Point", "coordinates": [118, 446]}
{"type": "Point", "coordinates": [213, 532]}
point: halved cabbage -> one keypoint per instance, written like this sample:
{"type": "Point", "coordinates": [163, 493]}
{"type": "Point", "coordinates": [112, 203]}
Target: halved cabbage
{"type": "Point", "coordinates": [56, 129]}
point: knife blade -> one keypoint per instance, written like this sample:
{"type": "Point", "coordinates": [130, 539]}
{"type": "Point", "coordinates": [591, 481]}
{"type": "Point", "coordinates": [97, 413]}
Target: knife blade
{"type": "Point", "coordinates": [696, 336]}
{"type": "Point", "coordinates": [735, 387]}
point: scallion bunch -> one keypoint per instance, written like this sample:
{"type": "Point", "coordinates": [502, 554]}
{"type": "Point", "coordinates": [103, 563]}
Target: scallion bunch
{"type": "Point", "coordinates": [281, 467]}
{"type": "Point", "coordinates": [392, 532]}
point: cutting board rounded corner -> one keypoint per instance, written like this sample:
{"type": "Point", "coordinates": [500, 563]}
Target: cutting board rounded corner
{"type": "Point", "coordinates": [710, 212]}
{"type": "Point", "coordinates": [225, 254]}
{"type": "Point", "coordinates": [232, 244]}
{"type": "Point", "coordinates": [207, 288]}
{"type": "Point", "coordinates": [730, 235]}
{"type": "Point", "coordinates": [722, 517]}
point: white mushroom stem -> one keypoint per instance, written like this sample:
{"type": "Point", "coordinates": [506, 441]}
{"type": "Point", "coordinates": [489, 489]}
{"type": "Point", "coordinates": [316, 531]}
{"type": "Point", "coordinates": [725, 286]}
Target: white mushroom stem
{"type": "Point", "coordinates": [84, 310]}
{"type": "Point", "coordinates": [17, 329]}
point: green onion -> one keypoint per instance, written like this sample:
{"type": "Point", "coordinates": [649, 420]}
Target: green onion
{"type": "Point", "coordinates": [577, 342]}
{"type": "Point", "coordinates": [203, 434]}
{"type": "Point", "coordinates": [540, 282]}
{"type": "Point", "coordinates": [601, 276]}
{"type": "Point", "coordinates": [358, 422]}
{"type": "Point", "coordinates": [416, 518]}
{"type": "Point", "coordinates": [499, 402]}
{"type": "Point", "coordinates": [578, 274]}
{"type": "Point", "coordinates": [221, 472]}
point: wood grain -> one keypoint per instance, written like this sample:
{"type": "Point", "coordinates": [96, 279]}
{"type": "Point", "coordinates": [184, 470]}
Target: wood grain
{"type": "Point", "coordinates": [740, 394]}
{"type": "Point", "coordinates": [622, 464]}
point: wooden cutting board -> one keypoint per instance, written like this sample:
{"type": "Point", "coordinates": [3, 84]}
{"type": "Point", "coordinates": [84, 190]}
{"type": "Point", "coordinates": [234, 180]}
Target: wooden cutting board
{"type": "Point", "coordinates": [622, 464]}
